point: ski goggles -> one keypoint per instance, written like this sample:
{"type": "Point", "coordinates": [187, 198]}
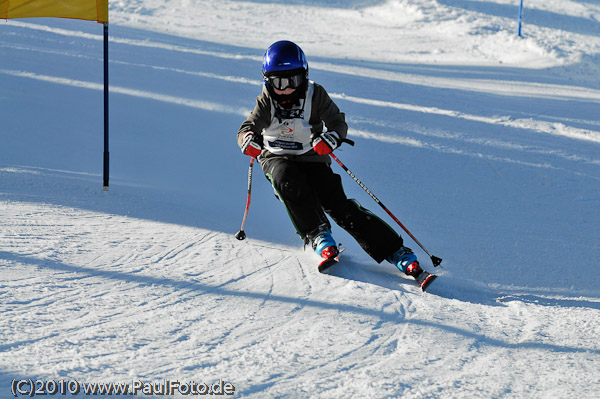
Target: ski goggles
{"type": "Point", "coordinates": [282, 83]}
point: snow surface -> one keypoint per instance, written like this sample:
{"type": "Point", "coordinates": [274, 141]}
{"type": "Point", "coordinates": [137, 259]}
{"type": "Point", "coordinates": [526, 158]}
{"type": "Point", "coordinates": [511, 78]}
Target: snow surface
{"type": "Point", "coordinates": [484, 144]}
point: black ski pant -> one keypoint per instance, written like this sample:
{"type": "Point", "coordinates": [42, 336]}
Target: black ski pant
{"type": "Point", "coordinates": [309, 190]}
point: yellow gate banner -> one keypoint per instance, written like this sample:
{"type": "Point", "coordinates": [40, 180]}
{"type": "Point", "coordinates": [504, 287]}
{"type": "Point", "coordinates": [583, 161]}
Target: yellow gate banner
{"type": "Point", "coordinates": [90, 10]}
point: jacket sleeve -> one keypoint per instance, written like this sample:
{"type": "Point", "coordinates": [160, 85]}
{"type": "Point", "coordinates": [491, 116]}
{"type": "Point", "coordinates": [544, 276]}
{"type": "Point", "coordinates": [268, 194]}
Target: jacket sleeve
{"type": "Point", "coordinates": [259, 119]}
{"type": "Point", "coordinates": [328, 112]}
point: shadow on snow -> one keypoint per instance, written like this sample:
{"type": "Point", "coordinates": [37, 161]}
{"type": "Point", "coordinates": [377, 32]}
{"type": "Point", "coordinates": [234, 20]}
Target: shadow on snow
{"type": "Point", "coordinates": [305, 303]}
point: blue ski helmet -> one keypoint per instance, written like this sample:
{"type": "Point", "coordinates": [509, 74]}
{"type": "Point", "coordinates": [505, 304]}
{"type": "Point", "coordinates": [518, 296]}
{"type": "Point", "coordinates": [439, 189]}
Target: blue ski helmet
{"type": "Point", "coordinates": [284, 58]}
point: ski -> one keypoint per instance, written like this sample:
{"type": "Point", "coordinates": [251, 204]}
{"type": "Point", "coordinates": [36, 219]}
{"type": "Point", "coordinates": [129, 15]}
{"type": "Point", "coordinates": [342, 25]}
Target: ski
{"type": "Point", "coordinates": [332, 260]}
{"type": "Point", "coordinates": [424, 279]}
{"type": "Point", "coordinates": [327, 263]}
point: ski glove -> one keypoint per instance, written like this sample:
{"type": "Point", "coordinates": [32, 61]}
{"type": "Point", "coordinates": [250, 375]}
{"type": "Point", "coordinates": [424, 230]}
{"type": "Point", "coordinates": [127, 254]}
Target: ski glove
{"type": "Point", "coordinates": [326, 143]}
{"type": "Point", "coordinates": [250, 145]}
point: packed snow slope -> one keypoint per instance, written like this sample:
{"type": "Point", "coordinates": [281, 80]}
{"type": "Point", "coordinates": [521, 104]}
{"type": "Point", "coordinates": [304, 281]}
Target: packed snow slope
{"type": "Point", "coordinates": [484, 144]}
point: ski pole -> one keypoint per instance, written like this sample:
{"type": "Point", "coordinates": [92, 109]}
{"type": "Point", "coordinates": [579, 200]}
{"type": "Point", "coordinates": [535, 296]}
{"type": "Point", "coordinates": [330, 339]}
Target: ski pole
{"type": "Point", "coordinates": [240, 235]}
{"type": "Point", "coordinates": [434, 259]}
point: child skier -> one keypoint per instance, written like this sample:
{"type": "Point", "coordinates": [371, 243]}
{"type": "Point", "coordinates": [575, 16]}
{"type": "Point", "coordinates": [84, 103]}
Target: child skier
{"type": "Point", "coordinates": [286, 130]}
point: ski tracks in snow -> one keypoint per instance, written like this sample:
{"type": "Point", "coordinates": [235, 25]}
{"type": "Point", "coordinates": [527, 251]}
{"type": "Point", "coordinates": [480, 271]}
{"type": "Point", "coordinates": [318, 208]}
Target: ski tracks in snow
{"type": "Point", "coordinates": [109, 297]}
{"type": "Point", "coordinates": [106, 295]}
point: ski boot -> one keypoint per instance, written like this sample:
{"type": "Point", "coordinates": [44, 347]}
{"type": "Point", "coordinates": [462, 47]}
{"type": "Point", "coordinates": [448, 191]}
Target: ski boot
{"type": "Point", "coordinates": [406, 261]}
{"type": "Point", "coordinates": [325, 246]}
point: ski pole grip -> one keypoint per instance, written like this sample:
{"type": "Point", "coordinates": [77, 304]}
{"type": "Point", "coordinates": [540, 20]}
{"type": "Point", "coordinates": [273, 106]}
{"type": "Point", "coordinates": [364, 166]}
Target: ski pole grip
{"type": "Point", "coordinates": [347, 141]}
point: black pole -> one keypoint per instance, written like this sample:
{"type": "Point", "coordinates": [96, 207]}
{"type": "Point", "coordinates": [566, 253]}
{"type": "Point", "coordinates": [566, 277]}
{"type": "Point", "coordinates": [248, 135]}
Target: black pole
{"type": "Point", "coordinates": [240, 235]}
{"type": "Point", "coordinates": [106, 153]}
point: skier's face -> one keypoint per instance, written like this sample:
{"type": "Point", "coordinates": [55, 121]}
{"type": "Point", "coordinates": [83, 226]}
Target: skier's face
{"type": "Point", "coordinates": [285, 92]}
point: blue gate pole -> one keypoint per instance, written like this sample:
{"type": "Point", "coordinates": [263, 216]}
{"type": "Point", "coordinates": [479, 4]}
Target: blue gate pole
{"type": "Point", "coordinates": [520, 17]}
